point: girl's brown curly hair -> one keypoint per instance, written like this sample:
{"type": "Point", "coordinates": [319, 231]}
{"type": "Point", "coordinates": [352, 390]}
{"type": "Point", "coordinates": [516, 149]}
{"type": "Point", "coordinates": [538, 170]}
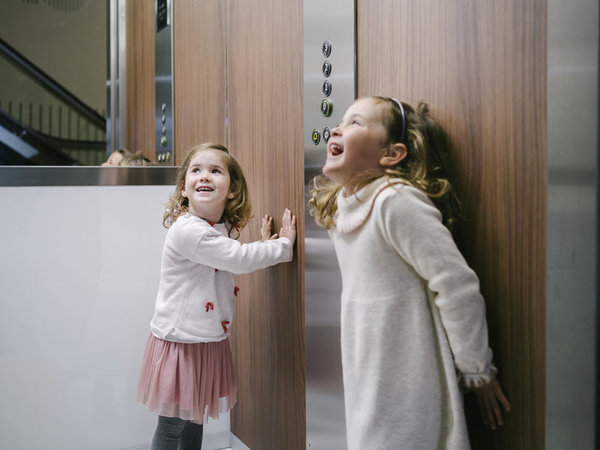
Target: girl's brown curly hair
{"type": "Point", "coordinates": [427, 165]}
{"type": "Point", "coordinates": [238, 209]}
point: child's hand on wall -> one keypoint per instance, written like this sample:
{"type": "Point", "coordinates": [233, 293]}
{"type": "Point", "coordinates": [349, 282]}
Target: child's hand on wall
{"type": "Point", "coordinates": [266, 229]}
{"type": "Point", "coordinates": [490, 399]}
{"type": "Point", "coordinates": [288, 226]}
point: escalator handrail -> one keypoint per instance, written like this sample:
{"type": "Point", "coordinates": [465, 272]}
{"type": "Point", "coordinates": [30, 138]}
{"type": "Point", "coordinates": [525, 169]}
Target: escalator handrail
{"type": "Point", "coordinates": [51, 85]}
{"type": "Point", "coordinates": [21, 130]}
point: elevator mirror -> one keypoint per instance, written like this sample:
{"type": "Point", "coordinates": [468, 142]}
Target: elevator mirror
{"type": "Point", "coordinates": [55, 100]}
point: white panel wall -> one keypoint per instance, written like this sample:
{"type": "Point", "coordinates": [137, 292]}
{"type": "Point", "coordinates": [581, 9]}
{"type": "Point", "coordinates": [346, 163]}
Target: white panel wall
{"type": "Point", "coordinates": [78, 278]}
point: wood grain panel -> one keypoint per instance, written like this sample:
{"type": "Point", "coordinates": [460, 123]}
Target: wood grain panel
{"type": "Point", "coordinates": [199, 73]}
{"type": "Point", "coordinates": [482, 67]}
{"type": "Point", "coordinates": [140, 77]}
{"type": "Point", "coordinates": [265, 134]}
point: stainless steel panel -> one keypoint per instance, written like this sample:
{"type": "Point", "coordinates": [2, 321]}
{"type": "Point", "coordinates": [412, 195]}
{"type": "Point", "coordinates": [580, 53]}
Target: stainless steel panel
{"type": "Point", "coordinates": [331, 22]}
{"type": "Point", "coordinates": [572, 226]}
{"type": "Point", "coordinates": [165, 145]}
{"type": "Point", "coordinates": [86, 176]}
{"type": "Point", "coordinates": [116, 76]}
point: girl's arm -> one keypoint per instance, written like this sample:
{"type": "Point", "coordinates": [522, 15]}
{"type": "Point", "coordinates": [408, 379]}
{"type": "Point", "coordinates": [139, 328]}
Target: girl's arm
{"type": "Point", "coordinates": [413, 227]}
{"type": "Point", "coordinates": [204, 245]}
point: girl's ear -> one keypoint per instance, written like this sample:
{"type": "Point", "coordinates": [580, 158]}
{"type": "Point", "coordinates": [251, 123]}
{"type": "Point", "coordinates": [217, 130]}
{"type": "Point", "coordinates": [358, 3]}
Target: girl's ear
{"type": "Point", "coordinates": [393, 155]}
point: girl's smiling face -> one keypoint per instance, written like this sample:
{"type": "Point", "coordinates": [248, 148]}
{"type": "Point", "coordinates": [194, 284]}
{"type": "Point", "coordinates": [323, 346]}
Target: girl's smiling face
{"type": "Point", "coordinates": [207, 185]}
{"type": "Point", "coordinates": [357, 143]}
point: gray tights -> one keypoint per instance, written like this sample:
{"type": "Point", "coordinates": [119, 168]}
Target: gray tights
{"type": "Point", "coordinates": [173, 433]}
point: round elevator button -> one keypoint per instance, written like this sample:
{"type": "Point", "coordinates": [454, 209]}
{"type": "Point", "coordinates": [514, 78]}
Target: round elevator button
{"type": "Point", "coordinates": [326, 49]}
{"type": "Point", "coordinates": [316, 136]}
{"type": "Point", "coordinates": [326, 107]}
{"type": "Point", "coordinates": [327, 88]}
{"type": "Point", "coordinates": [326, 134]}
{"type": "Point", "coordinates": [326, 68]}
{"type": "Point", "coordinates": [163, 141]}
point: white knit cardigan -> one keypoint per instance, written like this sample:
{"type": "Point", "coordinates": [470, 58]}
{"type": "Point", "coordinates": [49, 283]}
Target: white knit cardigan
{"type": "Point", "coordinates": [195, 295]}
{"type": "Point", "coordinates": [412, 323]}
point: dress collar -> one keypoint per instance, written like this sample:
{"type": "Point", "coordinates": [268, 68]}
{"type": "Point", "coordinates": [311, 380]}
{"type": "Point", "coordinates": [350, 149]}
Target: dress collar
{"type": "Point", "coordinates": [354, 210]}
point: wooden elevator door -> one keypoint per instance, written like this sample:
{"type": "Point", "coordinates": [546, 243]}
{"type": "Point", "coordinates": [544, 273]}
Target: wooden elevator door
{"type": "Point", "coordinates": [482, 67]}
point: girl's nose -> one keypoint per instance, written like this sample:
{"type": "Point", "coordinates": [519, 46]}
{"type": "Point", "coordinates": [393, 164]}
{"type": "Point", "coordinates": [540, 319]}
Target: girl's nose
{"type": "Point", "coordinates": [336, 131]}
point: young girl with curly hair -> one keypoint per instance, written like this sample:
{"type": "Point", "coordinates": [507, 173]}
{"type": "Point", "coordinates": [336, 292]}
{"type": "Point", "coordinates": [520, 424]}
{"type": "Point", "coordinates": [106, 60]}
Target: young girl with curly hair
{"type": "Point", "coordinates": [413, 320]}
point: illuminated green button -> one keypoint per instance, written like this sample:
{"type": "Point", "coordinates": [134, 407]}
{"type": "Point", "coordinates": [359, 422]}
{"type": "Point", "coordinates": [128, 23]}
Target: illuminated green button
{"type": "Point", "coordinates": [326, 107]}
{"type": "Point", "coordinates": [163, 141]}
{"type": "Point", "coordinates": [316, 136]}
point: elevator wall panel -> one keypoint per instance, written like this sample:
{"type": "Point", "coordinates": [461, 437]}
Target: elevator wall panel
{"type": "Point", "coordinates": [139, 85]}
{"type": "Point", "coordinates": [264, 90]}
{"type": "Point", "coordinates": [482, 67]}
{"type": "Point", "coordinates": [199, 73]}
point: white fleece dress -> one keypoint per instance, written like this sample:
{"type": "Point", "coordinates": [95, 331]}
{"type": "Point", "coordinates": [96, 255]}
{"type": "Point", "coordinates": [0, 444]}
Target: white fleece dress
{"type": "Point", "coordinates": [412, 316]}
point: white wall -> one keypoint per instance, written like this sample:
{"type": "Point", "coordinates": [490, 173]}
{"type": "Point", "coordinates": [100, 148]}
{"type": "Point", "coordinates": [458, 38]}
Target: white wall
{"type": "Point", "coordinates": [78, 279]}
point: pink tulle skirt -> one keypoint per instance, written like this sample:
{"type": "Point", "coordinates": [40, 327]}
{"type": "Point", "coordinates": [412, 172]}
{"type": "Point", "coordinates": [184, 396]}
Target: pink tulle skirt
{"type": "Point", "coordinates": [189, 381]}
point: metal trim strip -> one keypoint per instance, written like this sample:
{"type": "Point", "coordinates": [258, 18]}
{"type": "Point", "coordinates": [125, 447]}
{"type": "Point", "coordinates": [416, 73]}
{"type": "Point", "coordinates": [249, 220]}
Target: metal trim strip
{"type": "Point", "coordinates": [86, 176]}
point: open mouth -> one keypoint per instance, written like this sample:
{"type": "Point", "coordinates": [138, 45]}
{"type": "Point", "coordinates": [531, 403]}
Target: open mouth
{"type": "Point", "coordinates": [204, 189]}
{"type": "Point", "coordinates": [335, 149]}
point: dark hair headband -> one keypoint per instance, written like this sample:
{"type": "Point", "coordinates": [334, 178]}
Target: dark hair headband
{"type": "Point", "coordinates": [399, 103]}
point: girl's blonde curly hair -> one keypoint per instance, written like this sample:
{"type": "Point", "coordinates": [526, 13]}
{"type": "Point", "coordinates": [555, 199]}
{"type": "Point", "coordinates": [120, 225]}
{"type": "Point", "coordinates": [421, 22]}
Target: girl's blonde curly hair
{"type": "Point", "coordinates": [427, 165]}
{"type": "Point", "coordinates": [238, 209]}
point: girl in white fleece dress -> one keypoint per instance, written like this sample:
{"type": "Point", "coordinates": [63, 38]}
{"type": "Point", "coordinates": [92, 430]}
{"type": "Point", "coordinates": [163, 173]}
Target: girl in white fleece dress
{"type": "Point", "coordinates": [413, 319]}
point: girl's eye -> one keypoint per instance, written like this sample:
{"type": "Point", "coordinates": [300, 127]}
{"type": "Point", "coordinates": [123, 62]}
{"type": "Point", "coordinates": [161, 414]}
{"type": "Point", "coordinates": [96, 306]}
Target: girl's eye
{"type": "Point", "coordinates": [216, 171]}
{"type": "Point", "coordinates": [195, 170]}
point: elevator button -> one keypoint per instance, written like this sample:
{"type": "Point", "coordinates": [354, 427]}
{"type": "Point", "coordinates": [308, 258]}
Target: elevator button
{"type": "Point", "coordinates": [326, 107]}
{"type": "Point", "coordinates": [163, 118]}
{"type": "Point", "coordinates": [163, 141]}
{"type": "Point", "coordinates": [326, 68]}
{"type": "Point", "coordinates": [326, 49]}
{"type": "Point", "coordinates": [163, 107]}
{"type": "Point", "coordinates": [316, 136]}
{"type": "Point", "coordinates": [327, 88]}
{"type": "Point", "coordinates": [326, 134]}
{"type": "Point", "coordinates": [167, 156]}
{"type": "Point", "coordinates": [163, 130]}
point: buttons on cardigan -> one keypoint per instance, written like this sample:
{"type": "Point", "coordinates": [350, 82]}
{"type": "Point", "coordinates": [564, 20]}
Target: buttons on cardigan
{"type": "Point", "coordinates": [236, 290]}
{"type": "Point", "coordinates": [210, 306]}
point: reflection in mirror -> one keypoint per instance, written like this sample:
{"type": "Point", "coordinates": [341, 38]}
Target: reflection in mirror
{"type": "Point", "coordinates": [53, 91]}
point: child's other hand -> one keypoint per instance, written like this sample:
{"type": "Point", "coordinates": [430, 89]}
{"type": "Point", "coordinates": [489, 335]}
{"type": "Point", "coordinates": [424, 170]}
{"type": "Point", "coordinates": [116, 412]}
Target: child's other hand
{"type": "Point", "coordinates": [288, 226]}
{"type": "Point", "coordinates": [266, 229]}
{"type": "Point", "coordinates": [490, 398]}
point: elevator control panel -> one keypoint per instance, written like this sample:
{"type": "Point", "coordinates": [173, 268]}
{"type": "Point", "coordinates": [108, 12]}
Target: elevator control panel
{"type": "Point", "coordinates": [329, 76]}
{"type": "Point", "coordinates": [329, 89]}
{"type": "Point", "coordinates": [165, 147]}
